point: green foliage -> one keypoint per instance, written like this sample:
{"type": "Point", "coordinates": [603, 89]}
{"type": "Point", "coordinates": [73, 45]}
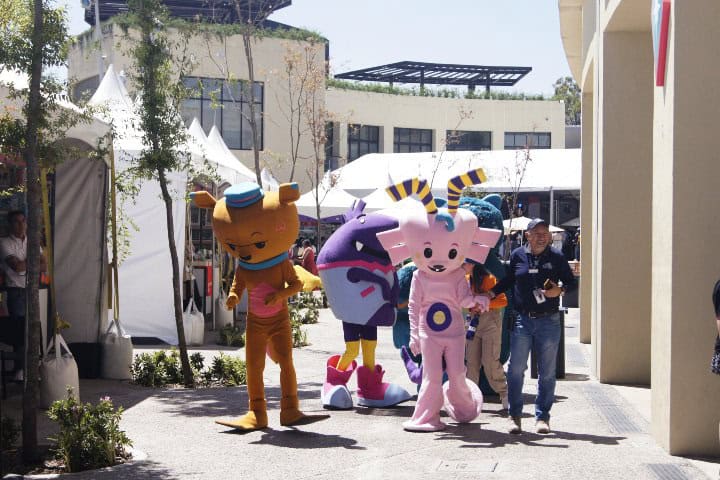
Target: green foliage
{"type": "Point", "coordinates": [163, 368]}
{"type": "Point", "coordinates": [427, 92]}
{"type": "Point", "coordinates": [9, 433]}
{"type": "Point", "coordinates": [299, 336]}
{"type": "Point", "coordinates": [90, 435]}
{"type": "Point", "coordinates": [157, 369]}
{"type": "Point", "coordinates": [306, 308]}
{"type": "Point", "coordinates": [228, 371]}
{"type": "Point", "coordinates": [569, 92]}
{"type": "Point", "coordinates": [231, 336]}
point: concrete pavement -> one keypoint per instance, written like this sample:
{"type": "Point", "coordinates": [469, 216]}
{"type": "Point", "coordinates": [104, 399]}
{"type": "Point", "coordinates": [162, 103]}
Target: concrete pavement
{"type": "Point", "coordinates": [598, 431]}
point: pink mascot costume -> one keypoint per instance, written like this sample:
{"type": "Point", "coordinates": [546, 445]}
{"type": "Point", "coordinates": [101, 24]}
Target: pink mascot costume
{"type": "Point", "coordinates": [439, 241]}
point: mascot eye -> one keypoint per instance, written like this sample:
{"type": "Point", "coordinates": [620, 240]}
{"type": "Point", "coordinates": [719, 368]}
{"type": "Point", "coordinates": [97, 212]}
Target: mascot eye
{"type": "Point", "coordinates": [452, 253]}
{"type": "Point", "coordinates": [231, 246]}
{"type": "Point", "coordinates": [361, 218]}
{"type": "Point", "coordinates": [427, 252]}
{"type": "Point", "coordinates": [260, 245]}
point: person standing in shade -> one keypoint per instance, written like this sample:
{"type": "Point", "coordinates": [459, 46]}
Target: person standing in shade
{"type": "Point", "coordinates": [13, 260]}
{"type": "Point", "coordinates": [535, 273]}
{"type": "Point", "coordinates": [308, 257]}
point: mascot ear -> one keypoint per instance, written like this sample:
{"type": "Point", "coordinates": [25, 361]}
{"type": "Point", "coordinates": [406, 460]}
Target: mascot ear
{"type": "Point", "coordinates": [203, 199]}
{"type": "Point", "coordinates": [289, 192]}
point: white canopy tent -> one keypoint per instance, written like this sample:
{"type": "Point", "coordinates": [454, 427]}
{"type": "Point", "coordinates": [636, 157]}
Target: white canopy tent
{"type": "Point", "coordinates": [79, 229]}
{"type": "Point", "coordinates": [552, 169]}
{"type": "Point", "coordinates": [521, 224]}
{"type": "Point", "coordinates": [145, 276]}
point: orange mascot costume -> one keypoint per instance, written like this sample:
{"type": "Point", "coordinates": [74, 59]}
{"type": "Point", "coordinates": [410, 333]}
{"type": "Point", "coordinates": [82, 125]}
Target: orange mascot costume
{"type": "Point", "coordinates": [257, 228]}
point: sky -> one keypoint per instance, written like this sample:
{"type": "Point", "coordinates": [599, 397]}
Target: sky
{"type": "Point", "coordinates": [368, 33]}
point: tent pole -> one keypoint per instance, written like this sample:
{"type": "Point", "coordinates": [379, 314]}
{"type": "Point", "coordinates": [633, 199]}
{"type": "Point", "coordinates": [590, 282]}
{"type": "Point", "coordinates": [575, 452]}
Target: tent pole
{"type": "Point", "coordinates": [552, 207]}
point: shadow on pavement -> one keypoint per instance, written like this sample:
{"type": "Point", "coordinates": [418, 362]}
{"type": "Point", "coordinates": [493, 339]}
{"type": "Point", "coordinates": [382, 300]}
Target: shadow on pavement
{"type": "Point", "coordinates": [294, 438]}
{"type": "Point", "coordinates": [575, 377]}
{"type": "Point", "coordinates": [226, 401]}
{"type": "Point", "coordinates": [480, 438]}
{"type": "Point", "coordinates": [405, 411]}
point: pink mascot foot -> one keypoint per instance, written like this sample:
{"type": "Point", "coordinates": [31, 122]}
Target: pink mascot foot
{"type": "Point", "coordinates": [461, 405]}
{"type": "Point", "coordinates": [373, 392]}
{"type": "Point", "coordinates": [335, 394]}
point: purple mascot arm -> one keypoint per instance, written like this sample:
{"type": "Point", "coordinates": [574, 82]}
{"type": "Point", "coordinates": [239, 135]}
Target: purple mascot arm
{"type": "Point", "coordinates": [355, 275]}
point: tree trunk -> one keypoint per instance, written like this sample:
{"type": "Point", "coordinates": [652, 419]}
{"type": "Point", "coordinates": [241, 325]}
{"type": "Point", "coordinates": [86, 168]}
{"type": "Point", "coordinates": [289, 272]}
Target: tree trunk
{"type": "Point", "coordinates": [34, 114]}
{"type": "Point", "coordinates": [185, 362]}
{"type": "Point", "coordinates": [247, 43]}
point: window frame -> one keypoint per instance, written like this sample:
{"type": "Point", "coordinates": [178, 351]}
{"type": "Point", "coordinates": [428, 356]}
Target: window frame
{"type": "Point", "coordinates": [403, 136]}
{"type": "Point", "coordinates": [359, 136]}
{"type": "Point", "coordinates": [463, 146]}
{"type": "Point", "coordinates": [227, 105]}
{"type": "Point", "coordinates": [526, 144]}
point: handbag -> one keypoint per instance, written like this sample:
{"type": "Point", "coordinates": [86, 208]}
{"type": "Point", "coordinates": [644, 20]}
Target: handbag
{"type": "Point", "coordinates": [58, 371]}
{"type": "Point", "coordinates": [117, 353]}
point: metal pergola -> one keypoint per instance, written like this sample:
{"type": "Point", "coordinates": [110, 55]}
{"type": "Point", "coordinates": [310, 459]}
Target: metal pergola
{"type": "Point", "coordinates": [213, 11]}
{"type": "Point", "coordinates": [440, 74]}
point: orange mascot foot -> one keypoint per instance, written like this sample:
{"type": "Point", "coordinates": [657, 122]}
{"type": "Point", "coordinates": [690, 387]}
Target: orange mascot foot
{"type": "Point", "coordinates": [294, 417]}
{"type": "Point", "coordinates": [253, 420]}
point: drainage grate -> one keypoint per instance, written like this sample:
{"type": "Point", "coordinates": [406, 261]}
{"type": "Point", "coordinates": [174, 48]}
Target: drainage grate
{"type": "Point", "coordinates": [575, 355]}
{"type": "Point", "coordinates": [466, 467]}
{"type": "Point", "coordinates": [609, 408]}
{"type": "Point", "coordinates": [667, 471]}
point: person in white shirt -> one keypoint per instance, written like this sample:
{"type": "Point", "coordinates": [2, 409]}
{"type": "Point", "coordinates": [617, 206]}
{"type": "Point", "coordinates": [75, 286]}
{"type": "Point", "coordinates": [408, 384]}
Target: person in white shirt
{"type": "Point", "coordinates": [13, 260]}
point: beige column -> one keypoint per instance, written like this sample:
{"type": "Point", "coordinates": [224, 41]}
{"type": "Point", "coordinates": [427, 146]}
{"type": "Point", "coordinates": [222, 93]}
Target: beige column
{"type": "Point", "coordinates": [342, 134]}
{"type": "Point", "coordinates": [622, 254]}
{"type": "Point", "coordinates": [685, 234]}
{"type": "Point", "coordinates": [586, 208]}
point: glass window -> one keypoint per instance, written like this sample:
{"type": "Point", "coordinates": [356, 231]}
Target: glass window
{"type": "Point", "coordinates": [466, 140]}
{"type": "Point", "coordinates": [362, 139]}
{"type": "Point", "coordinates": [520, 140]}
{"type": "Point", "coordinates": [220, 102]}
{"type": "Point", "coordinates": [412, 140]}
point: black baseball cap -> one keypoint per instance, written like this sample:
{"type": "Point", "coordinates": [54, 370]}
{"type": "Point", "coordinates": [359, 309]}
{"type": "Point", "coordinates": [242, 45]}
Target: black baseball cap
{"type": "Point", "coordinates": [535, 222]}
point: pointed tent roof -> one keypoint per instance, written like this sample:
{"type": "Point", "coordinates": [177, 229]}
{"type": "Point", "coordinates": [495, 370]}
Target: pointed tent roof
{"type": "Point", "coordinates": [227, 158]}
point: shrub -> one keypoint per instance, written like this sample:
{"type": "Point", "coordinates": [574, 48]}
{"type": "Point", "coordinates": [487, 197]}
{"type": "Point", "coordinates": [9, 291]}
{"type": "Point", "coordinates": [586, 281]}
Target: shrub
{"type": "Point", "coordinates": [299, 336]}
{"type": "Point", "coordinates": [90, 435]}
{"type": "Point", "coordinates": [228, 370]}
{"type": "Point", "coordinates": [231, 336]}
{"type": "Point", "coordinates": [158, 368]}
{"type": "Point", "coordinates": [306, 308]}
{"type": "Point", "coordinates": [9, 433]}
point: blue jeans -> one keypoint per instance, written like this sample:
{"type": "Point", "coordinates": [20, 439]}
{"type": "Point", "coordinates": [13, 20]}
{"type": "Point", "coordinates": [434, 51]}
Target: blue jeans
{"type": "Point", "coordinates": [544, 335]}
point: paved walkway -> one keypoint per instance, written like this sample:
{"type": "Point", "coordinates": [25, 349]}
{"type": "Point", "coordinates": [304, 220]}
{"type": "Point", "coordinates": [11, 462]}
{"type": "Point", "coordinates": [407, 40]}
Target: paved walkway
{"type": "Point", "coordinates": [597, 433]}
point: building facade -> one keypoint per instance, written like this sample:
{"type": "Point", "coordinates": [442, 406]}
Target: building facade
{"type": "Point", "coordinates": [358, 122]}
{"type": "Point", "coordinates": [649, 173]}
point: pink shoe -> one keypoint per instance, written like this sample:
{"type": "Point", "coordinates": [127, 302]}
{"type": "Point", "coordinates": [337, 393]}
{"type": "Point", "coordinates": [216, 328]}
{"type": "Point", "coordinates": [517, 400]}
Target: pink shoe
{"type": "Point", "coordinates": [335, 394]}
{"type": "Point", "coordinates": [373, 392]}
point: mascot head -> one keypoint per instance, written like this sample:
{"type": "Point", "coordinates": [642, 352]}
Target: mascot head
{"type": "Point", "coordinates": [440, 240]}
{"type": "Point", "coordinates": [254, 226]}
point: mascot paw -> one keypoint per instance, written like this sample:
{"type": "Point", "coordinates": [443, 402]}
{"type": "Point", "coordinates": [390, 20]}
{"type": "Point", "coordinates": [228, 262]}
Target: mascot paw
{"type": "Point", "coordinates": [232, 301]}
{"type": "Point", "coordinates": [414, 371]}
{"type": "Point", "coordinates": [294, 417]}
{"type": "Point", "coordinates": [248, 422]}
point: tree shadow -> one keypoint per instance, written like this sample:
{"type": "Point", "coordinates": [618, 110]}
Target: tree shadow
{"type": "Point", "coordinates": [226, 401]}
{"type": "Point", "coordinates": [476, 437]}
{"type": "Point", "coordinates": [294, 438]}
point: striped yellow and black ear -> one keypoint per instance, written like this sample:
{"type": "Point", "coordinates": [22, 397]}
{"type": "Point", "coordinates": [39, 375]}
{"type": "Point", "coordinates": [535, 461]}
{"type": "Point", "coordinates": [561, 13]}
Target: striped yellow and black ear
{"type": "Point", "coordinates": [457, 184]}
{"type": "Point", "coordinates": [414, 186]}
